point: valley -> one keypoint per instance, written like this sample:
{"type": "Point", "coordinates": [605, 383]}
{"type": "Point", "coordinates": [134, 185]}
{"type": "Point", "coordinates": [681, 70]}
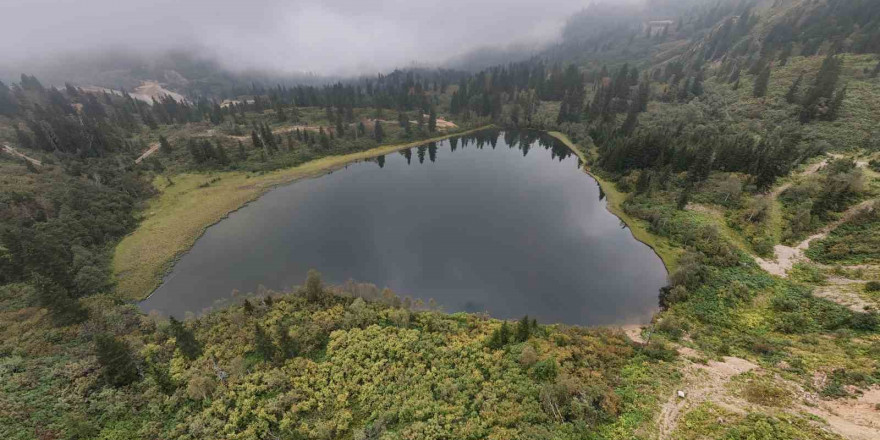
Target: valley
{"type": "Point", "coordinates": [662, 224]}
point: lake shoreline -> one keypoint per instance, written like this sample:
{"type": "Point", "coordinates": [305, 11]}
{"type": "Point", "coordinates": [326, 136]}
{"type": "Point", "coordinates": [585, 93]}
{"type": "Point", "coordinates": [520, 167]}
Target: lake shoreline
{"type": "Point", "coordinates": [614, 198]}
{"type": "Point", "coordinates": [182, 212]}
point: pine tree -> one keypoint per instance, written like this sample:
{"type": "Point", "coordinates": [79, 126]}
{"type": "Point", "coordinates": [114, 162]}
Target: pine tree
{"type": "Point", "coordinates": [835, 104]}
{"type": "Point", "coordinates": [222, 158]}
{"type": "Point", "coordinates": [340, 128]}
{"type": "Point", "coordinates": [377, 132]}
{"type": "Point", "coordinates": [314, 286]}
{"type": "Point", "coordinates": [242, 154]}
{"type": "Point", "coordinates": [323, 139]}
{"type": "Point", "coordinates": [256, 141]}
{"type": "Point", "coordinates": [684, 197]}
{"type": "Point", "coordinates": [629, 124]}
{"type": "Point", "coordinates": [734, 76]}
{"type": "Point", "coordinates": [287, 346]}
{"type": "Point", "coordinates": [822, 89]}
{"type": "Point", "coordinates": [116, 360]}
{"type": "Point", "coordinates": [432, 120]}
{"type": "Point", "coordinates": [504, 333]}
{"type": "Point", "coordinates": [791, 96]}
{"type": "Point", "coordinates": [761, 82]}
{"type": "Point", "coordinates": [281, 115]}
{"type": "Point", "coordinates": [697, 85]}
{"type": "Point", "coordinates": [8, 102]}
{"type": "Point", "coordinates": [876, 71]}
{"type": "Point", "coordinates": [186, 341]}
{"type": "Point", "coordinates": [164, 145]}
{"type": "Point", "coordinates": [63, 309]}
{"type": "Point", "coordinates": [248, 307]}
{"type": "Point", "coordinates": [523, 329]}
{"type": "Point", "coordinates": [263, 344]}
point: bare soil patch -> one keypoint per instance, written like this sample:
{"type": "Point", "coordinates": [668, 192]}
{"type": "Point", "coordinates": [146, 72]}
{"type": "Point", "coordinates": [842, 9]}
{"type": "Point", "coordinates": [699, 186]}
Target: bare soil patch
{"type": "Point", "coordinates": [148, 90]}
{"type": "Point", "coordinates": [11, 150]}
{"type": "Point", "coordinates": [153, 148]}
{"type": "Point", "coordinates": [702, 383]}
{"type": "Point", "coordinates": [785, 257]}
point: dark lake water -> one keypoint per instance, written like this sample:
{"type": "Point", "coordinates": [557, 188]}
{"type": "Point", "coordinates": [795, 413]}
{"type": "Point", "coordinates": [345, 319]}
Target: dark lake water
{"type": "Point", "coordinates": [503, 222]}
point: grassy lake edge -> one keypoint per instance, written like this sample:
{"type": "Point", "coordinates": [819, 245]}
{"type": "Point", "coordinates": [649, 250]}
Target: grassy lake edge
{"type": "Point", "coordinates": [183, 210]}
{"type": "Point", "coordinates": [667, 252]}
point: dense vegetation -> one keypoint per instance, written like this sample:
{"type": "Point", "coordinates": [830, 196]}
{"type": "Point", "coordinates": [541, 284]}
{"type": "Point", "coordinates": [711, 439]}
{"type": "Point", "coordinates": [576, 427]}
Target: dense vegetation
{"type": "Point", "coordinates": [705, 119]}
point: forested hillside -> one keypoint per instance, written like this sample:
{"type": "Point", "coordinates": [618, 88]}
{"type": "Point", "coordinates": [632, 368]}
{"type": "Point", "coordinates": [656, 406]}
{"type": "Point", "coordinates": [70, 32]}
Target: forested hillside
{"type": "Point", "coordinates": [737, 138]}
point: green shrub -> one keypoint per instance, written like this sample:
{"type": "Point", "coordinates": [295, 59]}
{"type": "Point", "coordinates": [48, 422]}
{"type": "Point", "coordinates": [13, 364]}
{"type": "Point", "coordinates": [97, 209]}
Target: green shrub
{"type": "Point", "coordinates": [545, 369]}
{"type": "Point", "coordinates": [864, 321]}
{"type": "Point", "coordinates": [764, 392]}
{"type": "Point", "coordinates": [659, 351]}
{"type": "Point", "coordinates": [872, 286]}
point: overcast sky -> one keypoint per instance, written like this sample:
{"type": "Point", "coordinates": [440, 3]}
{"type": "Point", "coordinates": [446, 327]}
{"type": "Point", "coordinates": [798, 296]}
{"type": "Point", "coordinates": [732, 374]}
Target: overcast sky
{"type": "Point", "coordinates": [327, 37]}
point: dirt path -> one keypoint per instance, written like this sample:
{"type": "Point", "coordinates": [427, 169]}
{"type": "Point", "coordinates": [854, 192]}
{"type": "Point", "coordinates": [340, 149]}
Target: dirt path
{"type": "Point", "coordinates": [812, 169]}
{"type": "Point", "coordinates": [844, 291]}
{"type": "Point", "coordinates": [153, 148]}
{"type": "Point", "coordinates": [9, 149]}
{"type": "Point", "coordinates": [703, 383]}
{"type": "Point", "coordinates": [785, 257]}
{"type": "Point", "coordinates": [283, 131]}
{"type": "Point", "coordinates": [854, 419]}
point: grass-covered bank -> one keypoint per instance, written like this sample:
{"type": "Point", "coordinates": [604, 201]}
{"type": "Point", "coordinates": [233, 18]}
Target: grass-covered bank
{"type": "Point", "coordinates": [189, 203]}
{"type": "Point", "coordinates": [615, 198]}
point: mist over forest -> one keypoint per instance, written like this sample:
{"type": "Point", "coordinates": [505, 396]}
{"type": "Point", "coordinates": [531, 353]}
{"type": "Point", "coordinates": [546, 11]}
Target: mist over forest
{"type": "Point", "coordinates": [478, 219]}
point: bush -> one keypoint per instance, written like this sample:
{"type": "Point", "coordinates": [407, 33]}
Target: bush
{"type": "Point", "coordinates": [546, 369]}
{"type": "Point", "coordinates": [792, 323]}
{"type": "Point", "coordinates": [528, 356]}
{"type": "Point", "coordinates": [864, 321]}
{"type": "Point", "coordinates": [872, 286]}
{"type": "Point", "coordinates": [116, 359]}
{"type": "Point", "coordinates": [765, 393]}
{"type": "Point", "coordinates": [659, 351]}
{"type": "Point", "coordinates": [763, 348]}
{"type": "Point", "coordinates": [672, 327]}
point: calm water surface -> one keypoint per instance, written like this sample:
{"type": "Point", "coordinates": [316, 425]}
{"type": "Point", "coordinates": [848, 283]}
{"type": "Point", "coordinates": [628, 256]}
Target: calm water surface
{"type": "Point", "coordinates": [500, 222]}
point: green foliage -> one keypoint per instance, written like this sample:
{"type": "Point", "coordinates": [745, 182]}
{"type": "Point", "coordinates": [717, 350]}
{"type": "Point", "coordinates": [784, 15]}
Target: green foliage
{"type": "Point", "coordinates": [314, 288]}
{"type": "Point", "coordinates": [856, 241]}
{"type": "Point", "coordinates": [186, 341]}
{"type": "Point", "coordinates": [760, 88]}
{"type": "Point", "coordinates": [263, 345]}
{"type": "Point", "coordinates": [523, 329]}
{"type": "Point", "coordinates": [116, 360]}
{"type": "Point", "coordinates": [659, 351]}
{"type": "Point", "coordinates": [763, 391]}
{"type": "Point", "coordinates": [500, 337]}
{"type": "Point", "coordinates": [545, 370]}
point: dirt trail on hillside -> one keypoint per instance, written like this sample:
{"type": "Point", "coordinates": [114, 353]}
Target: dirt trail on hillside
{"type": "Point", "coordinates": [812, 169]}
{"type": "Point", "coordinates": [703, 383]}
{"type": "Point", "coordinates": [844, 291]}
{"type": "Point", "coordinates": [11, 150]}
{"type": "Point", "coordinates": [153, 148]}
{"type": "Point", "coordinates": [852, 418]}
{"type": "Point", "coordinates": [787, 256]}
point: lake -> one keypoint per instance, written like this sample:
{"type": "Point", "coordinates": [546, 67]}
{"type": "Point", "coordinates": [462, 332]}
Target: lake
{"type": "Point", "coordinates": [499, 222]}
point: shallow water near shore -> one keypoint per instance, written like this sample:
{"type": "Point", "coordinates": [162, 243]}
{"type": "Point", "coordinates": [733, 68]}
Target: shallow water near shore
{"type": "Point", "coordinates": [499, 222]}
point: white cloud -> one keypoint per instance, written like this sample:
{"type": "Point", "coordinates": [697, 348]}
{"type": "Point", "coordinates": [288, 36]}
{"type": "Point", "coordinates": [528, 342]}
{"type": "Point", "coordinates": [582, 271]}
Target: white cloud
{"type": "Point", "coordinates": [333, 36]}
